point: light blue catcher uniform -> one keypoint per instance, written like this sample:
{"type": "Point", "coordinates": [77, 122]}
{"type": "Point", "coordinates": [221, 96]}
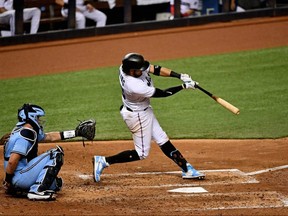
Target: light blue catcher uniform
{"type": "Point", "coordinates": [34, 174]}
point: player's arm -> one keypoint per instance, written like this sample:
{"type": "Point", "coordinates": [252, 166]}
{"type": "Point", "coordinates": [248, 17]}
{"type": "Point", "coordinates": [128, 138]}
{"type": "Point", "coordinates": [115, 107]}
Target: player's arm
{"type": "Point", "coordinates": [12, 163]}
{"type": "Point", "coordinates": [62, 3]}
{"type": "Point", "coordinates": [52, 136]}
{"type": "Point", "coordinates": [160, 71]}
{"type": "Point", "coordinates": [157, 70]}
{"type": "Point", "coordinates": [173, 90]}
{"type": "Point", "coordinates": [56, 136]}
{"type": "Point", "coordinates": [10, 169]}
{"type": "Point", "coordinates": [85, 129]}
{"type": "Point", "coordinates": [167, 92]}
{"type": "Point", "coordinates": [2, 10]}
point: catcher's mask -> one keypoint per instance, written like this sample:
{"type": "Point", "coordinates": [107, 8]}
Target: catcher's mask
{"type": "Point", "coordinates": [134, 61]}
{"type": "Point", "coordinates": [30, 113]}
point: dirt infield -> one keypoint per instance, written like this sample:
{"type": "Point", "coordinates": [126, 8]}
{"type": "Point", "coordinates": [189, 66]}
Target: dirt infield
{"type": "Point", "coordinates": [244, 177]}
{"type": "Point", "coordinates": [240, 181]}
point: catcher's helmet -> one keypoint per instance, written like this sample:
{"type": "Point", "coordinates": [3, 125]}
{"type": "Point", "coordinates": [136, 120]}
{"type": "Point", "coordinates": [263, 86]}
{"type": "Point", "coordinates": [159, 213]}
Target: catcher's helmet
{"type": "Point", "coordinates": [134, 61]}
{"type": "Point", "coordinates": [29, 113]}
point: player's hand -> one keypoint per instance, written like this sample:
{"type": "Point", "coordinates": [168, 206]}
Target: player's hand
{"type": "Point", "coordinates": [90, 7]}
{"type": "Point", "coordinates": [190, 84]}
{"type": "Point", "coordinates": [185, 77]}
{"type": "Point", "coordinates": [9, 189]}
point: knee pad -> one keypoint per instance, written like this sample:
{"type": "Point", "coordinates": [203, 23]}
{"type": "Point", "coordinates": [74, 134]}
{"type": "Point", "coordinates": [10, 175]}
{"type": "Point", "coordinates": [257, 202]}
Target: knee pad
{"type": "Point", "coordinates": [57, 154]}
{"type": "Point", "coordinates": [50, 176]}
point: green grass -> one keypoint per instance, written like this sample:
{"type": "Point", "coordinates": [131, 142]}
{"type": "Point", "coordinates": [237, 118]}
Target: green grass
{"type": "Point", "coordinates": [256, 82]}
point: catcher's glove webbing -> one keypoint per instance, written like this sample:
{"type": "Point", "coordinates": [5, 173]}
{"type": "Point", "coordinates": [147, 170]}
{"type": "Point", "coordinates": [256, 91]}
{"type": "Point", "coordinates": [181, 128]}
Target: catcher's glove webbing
{"type": "Point", "coordinates": [86, 129]}
{"type": "Point", "coordinates": [4, 138]}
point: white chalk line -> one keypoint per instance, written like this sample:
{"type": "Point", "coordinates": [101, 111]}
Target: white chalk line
{"type": "Point", "coordinates": [267, 170]}
{"type": "Point", "coordinates": [205, 171]}
{"type": "Point", "coordinates": [158, 173]}
{"type": "Point", "coordinates": [284, 200]}
{"type": "Point", "coordinates": [248, 180]}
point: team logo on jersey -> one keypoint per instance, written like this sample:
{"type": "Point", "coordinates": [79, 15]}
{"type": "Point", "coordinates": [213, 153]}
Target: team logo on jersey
{"type": "Point", "coordinates": [148, 78]}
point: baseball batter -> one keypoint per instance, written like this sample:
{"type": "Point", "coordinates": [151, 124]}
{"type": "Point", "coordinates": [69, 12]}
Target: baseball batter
{"type": "Point", "coordinates": [136, 111]}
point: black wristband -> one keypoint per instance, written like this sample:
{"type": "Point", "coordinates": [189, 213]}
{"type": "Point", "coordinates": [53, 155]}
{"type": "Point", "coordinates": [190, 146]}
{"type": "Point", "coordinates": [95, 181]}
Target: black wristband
{"type": "Point", "coordinates": [157, 70]}
{"type": "Point", "coordinates": [175, 74]}
{"type": "Point", "coordinates": [8, 177]}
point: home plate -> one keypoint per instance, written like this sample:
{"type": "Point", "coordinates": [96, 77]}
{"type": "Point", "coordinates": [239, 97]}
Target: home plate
{"type": "Point", "coordinates": [189, 190]}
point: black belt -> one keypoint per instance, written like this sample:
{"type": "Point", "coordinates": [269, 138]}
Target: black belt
{"type": "Point", "coordinates": [129, 109]}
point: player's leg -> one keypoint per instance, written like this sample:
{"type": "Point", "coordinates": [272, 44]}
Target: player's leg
{"type": "Point", "coordinates": [140, 125]}
{"type": "Point", "coordinates": [98, 16]}
{"type": "Point", "coordinates": [80, 18]}
{"type": "Point", "coordinates": [47, 182]}
{"type": "Point", "coordinates": [34, 15]}
{"type": "Point", "coordinates": [8, 17]}
{"type": "Point", "coordinates": [161, 138]}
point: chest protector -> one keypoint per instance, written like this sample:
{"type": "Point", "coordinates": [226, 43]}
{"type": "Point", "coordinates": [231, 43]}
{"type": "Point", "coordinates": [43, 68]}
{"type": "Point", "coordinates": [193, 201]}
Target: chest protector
{"type": "Point", "coordinates": [31, 136]}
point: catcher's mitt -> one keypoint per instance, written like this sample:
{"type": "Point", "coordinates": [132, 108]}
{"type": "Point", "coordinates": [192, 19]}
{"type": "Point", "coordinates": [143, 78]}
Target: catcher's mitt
{"type": "Point", "coordinates": [86, 129]}
{"type": "Point", "coordinates": [4, 138]}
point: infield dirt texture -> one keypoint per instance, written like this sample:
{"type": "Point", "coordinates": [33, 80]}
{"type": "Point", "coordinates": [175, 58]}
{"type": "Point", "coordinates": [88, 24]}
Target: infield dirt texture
{"type": "Point", "coordinates": [244, 177]}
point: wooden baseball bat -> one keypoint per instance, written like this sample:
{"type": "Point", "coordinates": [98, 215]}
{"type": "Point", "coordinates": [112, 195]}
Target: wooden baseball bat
{"type": "Point", "coordinates": [219, 100]}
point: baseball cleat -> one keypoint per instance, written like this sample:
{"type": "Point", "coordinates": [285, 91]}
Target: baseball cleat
{"type": "Point", "coordinates": [99, 163]}
{"type": "Point", "coordinates": [42, 196]}
{"type": "Point", "coordinates": [192, 173]}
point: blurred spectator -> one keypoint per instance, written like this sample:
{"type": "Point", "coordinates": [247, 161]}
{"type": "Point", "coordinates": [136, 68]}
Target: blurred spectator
{"type": "Point", "coordinates": [187, 7]}
{"type": "Point", "coordinates": [254, 4]}
{"type": "Point", "coordinates": [7, 16]}
{"type": "Point", "coordinates": [84, 9]}
{"type": "Point", "coordinates": [230, 6]}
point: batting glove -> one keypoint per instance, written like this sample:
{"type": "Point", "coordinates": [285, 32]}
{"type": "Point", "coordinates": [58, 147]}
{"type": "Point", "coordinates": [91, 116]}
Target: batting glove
{"type": "Point", "coordinates": [190, 84]}
{"type": "Point", "coordinates": [185, 77]}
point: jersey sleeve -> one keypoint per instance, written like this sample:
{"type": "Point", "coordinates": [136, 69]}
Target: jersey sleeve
{"type": "Point", "coordinates": [142, 89]}
{"type": "Point", "coordinates": [21, 146]}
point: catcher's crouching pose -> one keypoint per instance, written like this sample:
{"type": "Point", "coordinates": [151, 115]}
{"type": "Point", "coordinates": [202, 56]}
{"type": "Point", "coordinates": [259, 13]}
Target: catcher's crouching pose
{"type": "Point", "coordinates": [25, 171]}
{"type": "Point", "coordinates": [136, 111]}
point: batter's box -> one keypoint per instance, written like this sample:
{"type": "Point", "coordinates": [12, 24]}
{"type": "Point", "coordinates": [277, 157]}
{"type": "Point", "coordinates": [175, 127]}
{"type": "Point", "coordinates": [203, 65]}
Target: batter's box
{"type": "Point", "coordinates": [172, 179]}
{"type": "Point", "coordinates": [236, 200]}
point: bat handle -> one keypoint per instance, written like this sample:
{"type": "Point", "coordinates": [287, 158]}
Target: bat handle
{"type": "Point", "coordinates": [203, 90]}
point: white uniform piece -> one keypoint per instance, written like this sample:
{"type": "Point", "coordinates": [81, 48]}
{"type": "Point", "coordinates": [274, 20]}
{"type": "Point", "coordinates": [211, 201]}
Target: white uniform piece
{"type": "Point", "coordinates": [187, 5]}
{"type": "Point", "coordinates": [32, 14]}
{"type": "Point", "coordinates": [137, 112]}
{"type": "Point", "coordinates": [82, 13]}
{"type": "Point", "coordinates": [7, 17]}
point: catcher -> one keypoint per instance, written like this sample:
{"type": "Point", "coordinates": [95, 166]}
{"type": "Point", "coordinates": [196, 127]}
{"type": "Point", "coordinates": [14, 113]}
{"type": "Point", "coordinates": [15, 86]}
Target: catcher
{"type": "Point", "coordinates": [25, 170]}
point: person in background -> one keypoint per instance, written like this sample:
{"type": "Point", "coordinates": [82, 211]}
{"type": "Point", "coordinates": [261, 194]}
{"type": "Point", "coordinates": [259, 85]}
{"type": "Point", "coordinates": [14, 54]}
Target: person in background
{"type": "Point", "coordinates": [187, 8]}
{"type": "Point", "coordinates": [230, 6]}
{"type": "Point", "coordinates": [7, 16]}
{"type": "Point", "coordinates": [84, 9]}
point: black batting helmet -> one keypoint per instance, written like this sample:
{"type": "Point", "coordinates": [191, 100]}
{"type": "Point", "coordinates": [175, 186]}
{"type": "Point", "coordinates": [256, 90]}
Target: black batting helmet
{"type": "Point", "coordinates": [134, 61]}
